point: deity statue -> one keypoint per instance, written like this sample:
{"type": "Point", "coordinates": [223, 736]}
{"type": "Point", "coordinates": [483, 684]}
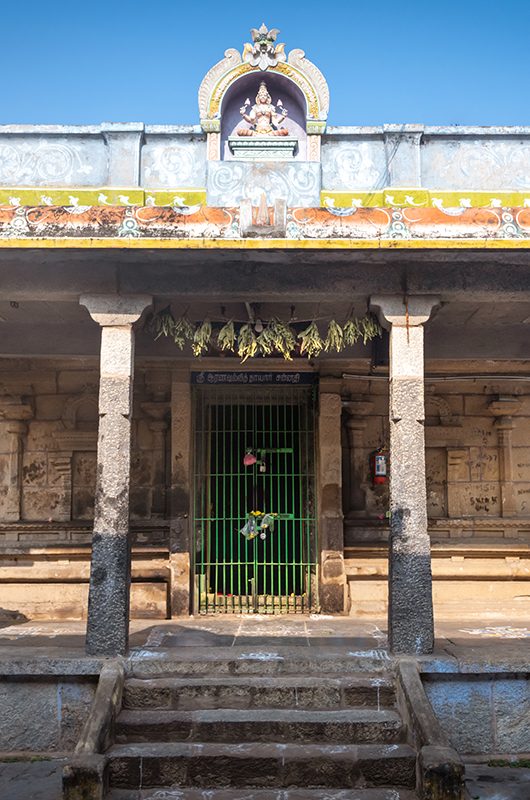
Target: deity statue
{"type": "Point", "coordinates": [263, 118]}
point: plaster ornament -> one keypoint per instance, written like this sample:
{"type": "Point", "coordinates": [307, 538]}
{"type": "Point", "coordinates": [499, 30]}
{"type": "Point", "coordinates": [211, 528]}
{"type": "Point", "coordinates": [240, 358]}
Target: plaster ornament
{"type": "Point", "coordinates": [263, 52]}
{"type": "Point", "coordinates": [263, 118]}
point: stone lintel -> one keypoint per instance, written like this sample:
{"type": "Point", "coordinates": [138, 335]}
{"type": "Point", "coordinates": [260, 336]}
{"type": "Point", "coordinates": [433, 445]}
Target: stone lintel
{"type": "Point", "coordinates": [402, 310]}
{"type": "Point", "coordinates": [115, 309]}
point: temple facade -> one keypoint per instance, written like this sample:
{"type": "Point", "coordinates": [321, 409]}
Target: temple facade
{"type": "Point", "coordinates": [261, 365]}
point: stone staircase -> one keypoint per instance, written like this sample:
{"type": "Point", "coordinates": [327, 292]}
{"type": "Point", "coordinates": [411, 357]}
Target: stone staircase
{"type": "Point", "coordinates": [297, 734]}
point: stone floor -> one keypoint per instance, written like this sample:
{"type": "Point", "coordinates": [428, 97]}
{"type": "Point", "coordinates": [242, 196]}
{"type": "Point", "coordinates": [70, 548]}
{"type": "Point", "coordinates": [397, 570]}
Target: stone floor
{"type": "Point", "coordinates": [38, 780]}
{"type": "Point", "coordinates": [501, 644]}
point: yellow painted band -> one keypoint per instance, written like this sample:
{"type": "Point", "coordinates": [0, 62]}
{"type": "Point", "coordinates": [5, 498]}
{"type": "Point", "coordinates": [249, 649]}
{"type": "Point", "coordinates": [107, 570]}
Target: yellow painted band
{"type": "Point", "coordinates": [151, 243]}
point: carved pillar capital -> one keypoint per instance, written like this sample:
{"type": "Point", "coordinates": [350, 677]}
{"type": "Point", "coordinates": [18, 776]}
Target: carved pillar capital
{"type": "Point", "coordinates": [115, 309]}
{"type": "Point", "coordinates": [403, 311]}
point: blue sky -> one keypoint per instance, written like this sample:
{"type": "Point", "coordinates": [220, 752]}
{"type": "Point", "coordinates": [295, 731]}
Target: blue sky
{"type": "Point", "coordinates": [450, 62]}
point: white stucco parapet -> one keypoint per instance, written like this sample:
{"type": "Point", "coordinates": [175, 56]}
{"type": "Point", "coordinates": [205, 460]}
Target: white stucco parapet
{"type": "Point", "coordinates": [353, 159]}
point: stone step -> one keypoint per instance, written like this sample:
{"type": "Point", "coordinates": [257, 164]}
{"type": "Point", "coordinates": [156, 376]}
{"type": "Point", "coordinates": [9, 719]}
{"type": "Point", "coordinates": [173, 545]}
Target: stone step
{"type": "Point", "coordinates": [256, 691]}
{"type": "Point", "coordinates": [260, 765]}
{"type": "Point", "coordinates": [256, 660]}
{"type": "Point", "coordinates": [353, 725]}
{"type": "Point", "coordinates": [176, 793]}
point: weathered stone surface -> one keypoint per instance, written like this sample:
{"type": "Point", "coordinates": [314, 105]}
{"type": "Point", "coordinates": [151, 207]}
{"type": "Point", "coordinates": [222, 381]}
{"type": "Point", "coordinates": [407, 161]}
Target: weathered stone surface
{"type": "Point", "coordinates": [38, 780]}
{"type": "Point", "coordinates": [44, 714]}
{"type": "Point", "coordinates": [264, 765]}
{"type": "Point", "coordinates": [463, 708]}
{"type": "Point", "coordinates": [258, 725]}
{"type": "Point", "coordinates": [108, 602]}
{"type": "Point", "coordinates": [258, 692]}
{"type": "Point", "coordinates": [268, 794]}
{"type": "Point", "coordinates": [511, 714]}
{"type": "Point", "coordinates": [410, 611]}
{"type": "Point", "coordinates": [441, 774]}
{"type": "Point", "coordinates": [332, 578]}
{"type": "Point", "coordinates": [84, 778]}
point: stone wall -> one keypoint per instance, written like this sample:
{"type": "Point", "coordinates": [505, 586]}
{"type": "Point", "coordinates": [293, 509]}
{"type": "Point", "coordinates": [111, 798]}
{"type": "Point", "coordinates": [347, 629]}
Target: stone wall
{"type": "Point", "coordinates": [482, 713]}
{"type": "Point", "coordinates": [45, 713]}
{"type": "Point", "coordinates": [476, 430]}
{"type": "Point", "coordinates": [50, 459]}
{"type": "Point", "coordinates": [477, 454]}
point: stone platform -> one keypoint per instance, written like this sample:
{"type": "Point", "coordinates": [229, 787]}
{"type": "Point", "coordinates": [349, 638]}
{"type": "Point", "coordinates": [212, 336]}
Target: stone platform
{"type": "Point", "coordinates": [264, 657]}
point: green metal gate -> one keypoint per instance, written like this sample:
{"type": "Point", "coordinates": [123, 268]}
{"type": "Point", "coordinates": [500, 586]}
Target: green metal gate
{"type": "Point", "coordinates": [267, 571]}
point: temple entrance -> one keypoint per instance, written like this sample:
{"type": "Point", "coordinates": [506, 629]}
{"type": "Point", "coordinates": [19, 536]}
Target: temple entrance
{"type": "Point", "coordinates": [254, 499]}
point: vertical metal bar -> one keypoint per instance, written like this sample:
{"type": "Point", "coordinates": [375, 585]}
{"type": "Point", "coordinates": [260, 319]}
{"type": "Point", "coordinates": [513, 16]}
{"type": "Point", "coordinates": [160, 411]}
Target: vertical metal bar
{"type": "Point", "coordinates": [243, 415]}
{"type": "Point", "coordinates": [301, 511]}
{"type": "Point", "coordinates": [304, 498]}
{"type": "Point", "coordinates": [208, 510]}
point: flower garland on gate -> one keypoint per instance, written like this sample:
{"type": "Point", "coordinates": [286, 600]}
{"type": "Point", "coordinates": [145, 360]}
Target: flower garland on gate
{"type": "Point", "coordinates": [276, 337]}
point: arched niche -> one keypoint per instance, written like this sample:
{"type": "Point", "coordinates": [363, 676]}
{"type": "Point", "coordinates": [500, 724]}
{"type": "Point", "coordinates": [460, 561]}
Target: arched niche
{"type": "Point", "coordinates": [279, 88]}
{"type": "Point", "coordinates": [293, 78]}
{"type": "Point", "coordinates": [81, 413]}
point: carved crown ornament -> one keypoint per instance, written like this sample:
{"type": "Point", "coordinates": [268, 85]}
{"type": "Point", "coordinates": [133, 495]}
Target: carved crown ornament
{"type": "Point", "coordinates": [264, 55]}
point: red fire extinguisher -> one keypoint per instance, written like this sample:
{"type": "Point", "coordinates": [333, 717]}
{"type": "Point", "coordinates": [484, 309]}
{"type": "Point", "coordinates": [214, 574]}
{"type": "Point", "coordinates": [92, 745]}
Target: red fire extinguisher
{"type": "Point", "coordinates": [379, 466]}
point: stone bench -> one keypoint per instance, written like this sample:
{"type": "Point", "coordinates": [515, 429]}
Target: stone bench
{"type": "Point", "coordinates": [49, 579]}
{"type": "Point", "coordinates": [471, 577]}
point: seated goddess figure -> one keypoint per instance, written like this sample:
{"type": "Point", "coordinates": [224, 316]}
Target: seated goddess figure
{"type": "Point", "coordinates": [263, 118]}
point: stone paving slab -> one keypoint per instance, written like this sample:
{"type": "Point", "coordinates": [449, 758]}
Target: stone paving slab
{"type": "Point", "coordinates": [261, 794]}
{"type": "Point", "coordinates": [497, 783]}
{"type": "Point", "coordinates": [38, 780]}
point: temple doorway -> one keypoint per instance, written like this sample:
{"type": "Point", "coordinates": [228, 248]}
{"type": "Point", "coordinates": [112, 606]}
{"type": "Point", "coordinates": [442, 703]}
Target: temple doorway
{"type": "Point", "coordinates": [254, 499]}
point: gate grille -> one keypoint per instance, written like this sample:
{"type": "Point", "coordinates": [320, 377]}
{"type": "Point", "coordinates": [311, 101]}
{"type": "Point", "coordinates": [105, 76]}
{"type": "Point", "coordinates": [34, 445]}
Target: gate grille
{"type": "Point", "coordinates": [276, 572]}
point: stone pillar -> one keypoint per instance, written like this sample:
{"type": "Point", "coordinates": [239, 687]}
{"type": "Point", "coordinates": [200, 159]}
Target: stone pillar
{"type": "Point", "coordinates": [410, 611]}
{"type": "Point", "coordinates": [182, 538]}
{"type": "Point", "coordinates": [357, 410]}
{"type": "Point", "coordinates": [502, 409]}
{"type": "Point", "coordinates": [157, 411]}
{"type": "Point", "coordinates": [332, 584]}
{"type": "Point", "coordinates": [110, 573]}
{"type": "Point", "coordinates": [14, 411]}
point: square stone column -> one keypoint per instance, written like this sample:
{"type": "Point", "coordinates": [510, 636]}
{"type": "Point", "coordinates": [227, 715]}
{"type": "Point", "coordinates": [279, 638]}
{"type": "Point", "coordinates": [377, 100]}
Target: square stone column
{"type": "Point", "coordinates": [110, 572]}
{"type": "Point", "coordinates": [332, 584]}
{"type": "Point", "coordinates": [410, 610]}
{"type": "Point", "coordinates": [15, 412]}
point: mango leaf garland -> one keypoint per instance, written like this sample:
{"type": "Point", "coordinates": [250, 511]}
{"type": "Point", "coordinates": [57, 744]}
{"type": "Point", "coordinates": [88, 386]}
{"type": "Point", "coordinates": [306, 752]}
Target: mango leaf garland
{"type": "Point", "coordinates": [284, 338]}
{"type": "Point", "coordinates": [310, 341]}
{"type": "Point", "coordinates": [182, 332]}
{"type": "Point", "coordinates": [370, 328]}
{"type": "Point", "coordinates": [226, 338]}
{"type": "Point", "coordinates": [352, 331]}
{"type": "Point", "coordinates": [266, 341]}
{"type": "Point", "coordinates": [247, 345]}
{"type": "Point", "coordinates": [277, 337]}
{"type": "Point", "coordinates": [334, 337]}
{"type": "Point", "coordinates": [162, 324]}
{"type": "Point", "coordinates": [201, 338]}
